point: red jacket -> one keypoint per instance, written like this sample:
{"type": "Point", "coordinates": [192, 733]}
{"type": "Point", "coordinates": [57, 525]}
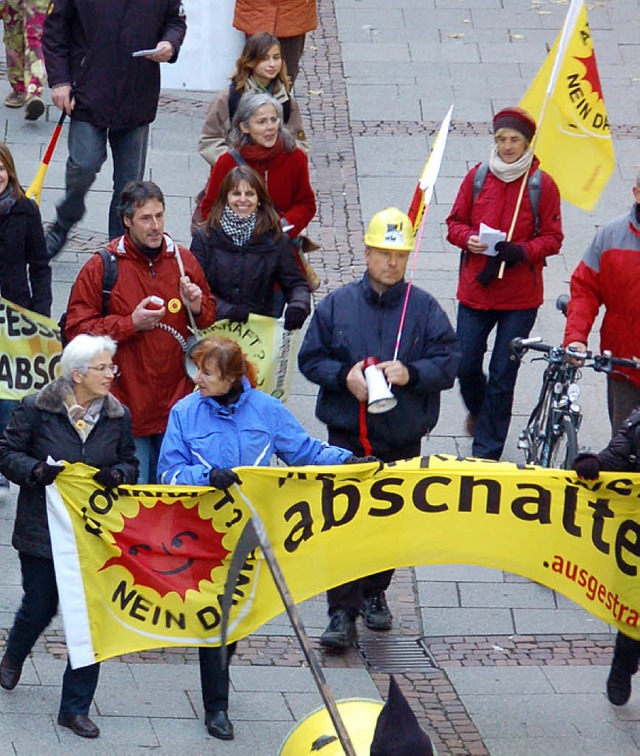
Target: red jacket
{"type": "Point", "coordinates": [609, 275]}
{"type": "Point", "coordinates": [287, 180]}
{"type": "Point", "coordinates": [521, 288]}
{"type": "Point", "coordinates": [152, 377]}
{"type": "Point", "coordinates": [283, 18]}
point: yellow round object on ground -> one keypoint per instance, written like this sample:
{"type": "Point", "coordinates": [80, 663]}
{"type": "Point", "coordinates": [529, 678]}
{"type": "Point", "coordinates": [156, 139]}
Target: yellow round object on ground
{"type": "Point", "coordinates": [316, 735]}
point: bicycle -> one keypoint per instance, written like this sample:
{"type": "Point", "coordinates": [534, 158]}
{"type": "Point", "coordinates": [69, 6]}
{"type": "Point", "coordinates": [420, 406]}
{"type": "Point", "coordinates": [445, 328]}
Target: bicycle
{"type": "Point", "coordinates": [550, 438]}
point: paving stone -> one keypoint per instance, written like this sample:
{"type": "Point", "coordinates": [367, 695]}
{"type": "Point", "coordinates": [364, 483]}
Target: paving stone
{"type": "Point", "coordinates": [467, 621]}
{"type": "Point", "coordinates": [514, 595]}
{"type": "Point", "coordinates": [499, 681]}
{"type": "Point", "coordinates": [459, 573]}
{"type": "Point", "coordinates": [556, 621]}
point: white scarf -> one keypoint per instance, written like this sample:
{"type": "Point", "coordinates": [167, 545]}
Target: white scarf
{"type": "Point", "coordinates": [509, 172]}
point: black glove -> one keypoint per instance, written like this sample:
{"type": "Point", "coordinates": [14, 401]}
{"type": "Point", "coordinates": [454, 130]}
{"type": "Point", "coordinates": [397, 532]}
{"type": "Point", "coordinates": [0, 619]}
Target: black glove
{"type": "Point", "coordinates": [489, 272]}
{"type": "Point", "coordinates": [353, 460]}
{"type": "Point", "coordinates": [587, 466]}
{"type": "Point", "coordinates": [44, 474]}
{"type": "Point", "coordinates": [238, 313]}
{"type": "Point", "coordinates": [294, 318]}
{"type": "Point", "coordinates": [509, 253]}
{"type": "Point", "coordinates": [222, 478]}
{"type": "Point", "coordinates": [109, 477]}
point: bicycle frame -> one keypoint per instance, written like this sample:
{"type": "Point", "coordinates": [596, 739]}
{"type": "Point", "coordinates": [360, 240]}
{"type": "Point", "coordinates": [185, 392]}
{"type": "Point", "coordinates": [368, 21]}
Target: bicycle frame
{"type": "Point", "coordinates": [550, 436]}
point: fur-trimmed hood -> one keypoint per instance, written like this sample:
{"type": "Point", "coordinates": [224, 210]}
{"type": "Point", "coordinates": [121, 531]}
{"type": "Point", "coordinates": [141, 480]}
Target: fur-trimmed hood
{"type": "Point", "coordinates": [51, 399]}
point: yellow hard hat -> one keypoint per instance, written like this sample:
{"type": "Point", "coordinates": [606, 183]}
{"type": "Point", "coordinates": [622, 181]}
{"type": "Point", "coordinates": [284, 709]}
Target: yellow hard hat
{"type": "Point", "coordinates": [316, 734]}
{"type": "Point", "coordinates": [390, 229]}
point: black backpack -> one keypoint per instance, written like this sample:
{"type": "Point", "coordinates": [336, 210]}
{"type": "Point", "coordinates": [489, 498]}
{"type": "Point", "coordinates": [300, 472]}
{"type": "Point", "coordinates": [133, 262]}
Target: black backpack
{"type": "Point", "coordinates": [109, 278]}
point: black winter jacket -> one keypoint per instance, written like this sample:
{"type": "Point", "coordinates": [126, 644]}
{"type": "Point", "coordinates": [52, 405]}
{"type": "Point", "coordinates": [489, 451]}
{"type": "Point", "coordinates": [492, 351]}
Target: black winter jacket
{"type": "Point", "coordinates": [25, 275]}
{"type": "Point", "coordinates": [354, 322]}
{"type": "Point", "coordinates": [623, 451]}
{"type": "Point", "coordinates": [88, 44]}
{"type": "Point", "coordinates": [40, 427]}
{"type": "Point", "coordinates": [246, 275]}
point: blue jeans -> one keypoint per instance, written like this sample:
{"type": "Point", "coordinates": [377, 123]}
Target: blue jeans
{"type": "Point", "coordinates": [87, 153]}
{"type": "Point", "coordinates": [39, 606]}
{"type": "Point", "coordinates": [490, 400]}
{"type": "Point", "coordinates": [148, 453]}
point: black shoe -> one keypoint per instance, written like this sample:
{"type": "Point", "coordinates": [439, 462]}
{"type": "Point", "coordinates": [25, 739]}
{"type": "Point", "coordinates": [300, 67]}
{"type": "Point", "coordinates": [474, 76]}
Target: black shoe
{"type": "Point", "coordinates": [340, 633]}
{"type": "Point", "coordinates": [376, 613]}
{"type": "Point", "coordinates": [55, 239]}
{"type": "Point", "coordinates": [218, 725]}
{"type": "Point", "coordinates": [9, 673]}
{"type": "Point", "coordinates": [80, 724]}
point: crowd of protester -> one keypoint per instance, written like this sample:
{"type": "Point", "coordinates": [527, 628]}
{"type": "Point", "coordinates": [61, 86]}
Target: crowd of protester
{"type": "Point", "coordinates": [133, 411]}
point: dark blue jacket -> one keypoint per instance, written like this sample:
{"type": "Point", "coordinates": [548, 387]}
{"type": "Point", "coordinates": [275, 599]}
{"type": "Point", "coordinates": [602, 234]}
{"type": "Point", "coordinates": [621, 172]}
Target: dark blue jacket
{"type": "Point", "coordinates": [88, 44]}
{"type": "Point", "coordinates": [355, 322]}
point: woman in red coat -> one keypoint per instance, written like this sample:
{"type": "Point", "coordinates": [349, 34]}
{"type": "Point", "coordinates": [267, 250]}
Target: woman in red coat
{"type": "Point", "coordinates": [261, 141]}
{"type": "Point", "coordinates": [489, 195]}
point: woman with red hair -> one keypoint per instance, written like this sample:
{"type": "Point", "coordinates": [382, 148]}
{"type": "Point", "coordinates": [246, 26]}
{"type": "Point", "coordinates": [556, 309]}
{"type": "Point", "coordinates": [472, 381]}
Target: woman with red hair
{"type": "Point", "coordinates": [229, 423]}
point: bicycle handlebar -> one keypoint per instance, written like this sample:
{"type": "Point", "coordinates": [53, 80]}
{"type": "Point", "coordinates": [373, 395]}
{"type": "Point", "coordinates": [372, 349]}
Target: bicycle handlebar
{"type": "Point", "coordinates": [601, 363]}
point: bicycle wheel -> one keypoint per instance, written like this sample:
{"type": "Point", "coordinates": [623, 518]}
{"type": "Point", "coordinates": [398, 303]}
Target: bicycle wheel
{"type": "Point", "coordinates": [563, 447]}
{"type": "Point", "coordinates": [535, 434]}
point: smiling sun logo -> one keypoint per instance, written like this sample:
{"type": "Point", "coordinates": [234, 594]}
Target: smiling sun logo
{"type": "Point", "coordinates": [168, 548]}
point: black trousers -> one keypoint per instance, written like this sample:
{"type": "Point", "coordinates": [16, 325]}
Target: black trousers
{"type": "Point", "coordinates": [39, 606]}
{"type": "Point", "coordinates": [349, 596]}
{"type": "Point", "coordinates": [214, 678]}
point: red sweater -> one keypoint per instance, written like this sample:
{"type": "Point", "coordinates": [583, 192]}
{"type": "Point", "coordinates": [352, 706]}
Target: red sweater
{"type": "Point", "coordinates": [286, 177]}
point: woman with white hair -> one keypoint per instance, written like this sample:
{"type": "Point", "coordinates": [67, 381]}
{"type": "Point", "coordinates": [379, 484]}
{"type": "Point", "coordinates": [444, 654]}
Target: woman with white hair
{"type": "Point", "coordinates": [261, 141]}
{"type": "Point", "coordinates": [74, 419]}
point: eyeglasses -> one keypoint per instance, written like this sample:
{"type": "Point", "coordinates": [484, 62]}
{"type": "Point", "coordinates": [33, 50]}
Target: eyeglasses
{"type": "Point", "coordinates": [104, 369]}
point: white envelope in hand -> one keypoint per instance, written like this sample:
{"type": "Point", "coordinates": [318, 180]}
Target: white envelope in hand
{"type": "Point", "coordinates": [490, 237]}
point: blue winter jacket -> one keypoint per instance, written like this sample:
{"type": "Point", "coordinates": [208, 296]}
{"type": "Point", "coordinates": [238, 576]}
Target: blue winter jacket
{"type": "Point", "coordinates": [354, 322]}
{"type": "Point", "coordinates": [203, 434]}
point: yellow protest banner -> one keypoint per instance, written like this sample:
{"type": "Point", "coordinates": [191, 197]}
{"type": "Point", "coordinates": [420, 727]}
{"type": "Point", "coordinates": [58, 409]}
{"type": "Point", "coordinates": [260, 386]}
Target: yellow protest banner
{"type": "Point", "coordinates": [29, 351]}
{"type": "Point", "coordinates": [266, 343]}
{"type": "Point", "coordinates": [574, 139]}
{"type": "Point", "coordinates": [142, 568]}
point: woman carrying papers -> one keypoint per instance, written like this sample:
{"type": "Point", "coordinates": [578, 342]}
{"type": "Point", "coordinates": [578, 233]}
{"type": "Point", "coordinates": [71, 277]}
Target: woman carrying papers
{"type": "Point", "coordinates": [490, 194]}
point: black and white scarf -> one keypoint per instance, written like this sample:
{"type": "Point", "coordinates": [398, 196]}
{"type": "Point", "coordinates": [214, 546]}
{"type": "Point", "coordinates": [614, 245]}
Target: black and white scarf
{"type": "Point", "coordinates": [238, 229]}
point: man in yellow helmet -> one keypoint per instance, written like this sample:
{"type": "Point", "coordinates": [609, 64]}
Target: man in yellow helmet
{"type": "Point", "coordinates": [361, 320]}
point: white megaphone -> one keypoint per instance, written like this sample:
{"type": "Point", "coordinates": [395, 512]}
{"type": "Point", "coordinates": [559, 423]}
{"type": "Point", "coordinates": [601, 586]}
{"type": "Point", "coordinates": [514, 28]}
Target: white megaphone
{"type": "Point", "coordinates": [380, 397]}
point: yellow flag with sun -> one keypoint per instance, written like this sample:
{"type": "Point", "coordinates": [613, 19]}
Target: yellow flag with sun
{"type": "Point", "coordinates": [566, 99]}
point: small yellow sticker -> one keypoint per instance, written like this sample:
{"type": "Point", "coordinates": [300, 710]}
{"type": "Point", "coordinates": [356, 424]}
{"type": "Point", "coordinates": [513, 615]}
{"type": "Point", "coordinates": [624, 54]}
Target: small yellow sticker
{"type": "Point", "coordinates": [174, 305]}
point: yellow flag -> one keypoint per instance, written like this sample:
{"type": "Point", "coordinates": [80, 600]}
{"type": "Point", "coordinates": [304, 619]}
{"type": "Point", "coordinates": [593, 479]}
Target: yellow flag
{"type": "Point", "coordinates": [574, 140]}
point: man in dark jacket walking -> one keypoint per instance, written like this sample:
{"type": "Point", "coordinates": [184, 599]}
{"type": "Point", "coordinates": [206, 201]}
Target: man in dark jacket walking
{"type": "Point", "coordinates": [109, 91]}
{"type": "Point", "coordinates": [361, 320]}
